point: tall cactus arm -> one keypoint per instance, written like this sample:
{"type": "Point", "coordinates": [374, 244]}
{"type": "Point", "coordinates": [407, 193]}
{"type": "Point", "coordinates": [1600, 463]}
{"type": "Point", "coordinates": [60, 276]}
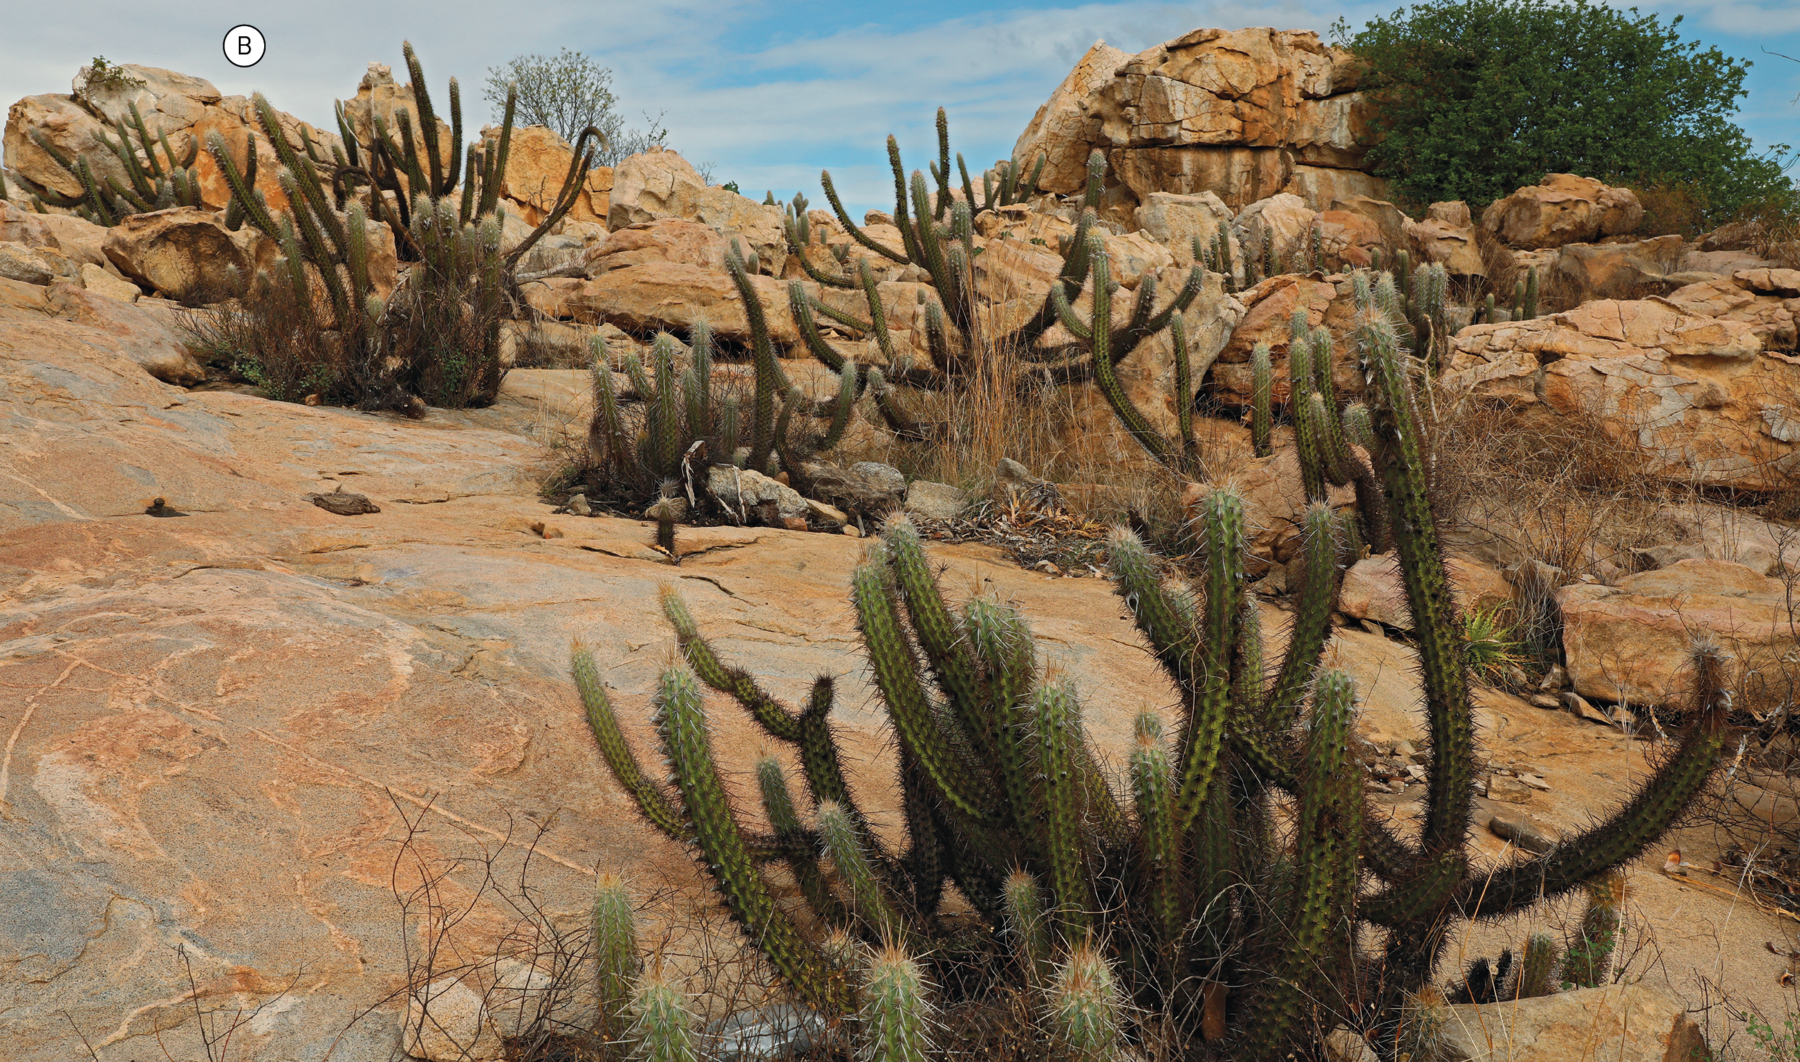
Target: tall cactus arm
{"type": "Point", "coordinates": [306, 175]}
{"type": "Point", "coordinates": [1184, 391]}
{"type": "Point", "coordinates": [1203, 731]}
{"type": "Point", "coordinates": [619, 758]}
{"type": "Point", "coordinates": [1002, 640]}
{"type": "Point", "coordinates": [800, 306]}
{"type": "Point", "coordinates": [778, 721]}
{"type": "Point", "coordinates": [496, 166]}
{"type": "Point", "coordinates": [856, 233]}
{"type": "Point", "coordinates": [1105, 374]}
{"type": "Point", "coordinates": [967, 187]}
{"type": "Point", "coordinates": [452, 178]}
{"type": "Point", "coordinates": [778, 804]}
{"type": "Point", "coordinates": [1262, 398]}
{"type": "Point", "coordinates": [1058, 721]}
{"type": "Point", "coordinates": [909, 232]}
{"type": "Point", "coordinates": [869, 900]}
{"type": "Point", "coordinates": [574, 183]}
{"type": "Point", "coordinates": [896, 676]}
{"type": "Point", "coordinates": [1659, 802]}
{"type": "Point", "coordinates": [1450, 781]}
{"type": "Point", "coordinates": [1312, 619]}
{"type": "Point", "coordinates": [942, 170]}
{"type": "Point", "coordinates": [762, 439]}
{"type": "Point", "coordinates": [1152, 784]}
{"type": "Point", "coordinates": [797, 247]}
{"type": "Point", "coordinates": [1324, 865]}
{"type": "Point", "coordinates": [1127, 340]}
{"type": "Point", "coordinates": [427, 121]}
{"type": "Point", "coordinates": [941, 638]}
{"type": "Point", "coordinates": [681, 722]}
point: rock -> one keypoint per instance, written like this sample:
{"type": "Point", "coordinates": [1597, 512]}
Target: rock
{"type": "Point", "coordinates": [1591, 271]}
{"type": "Point", "coordinates": [1269, 309]}
{"type": "Point", "coordinates": [826, 514]}
{"type": "Point", "coordinates": [1522, 830]}
{"type": "Point", "coordinates": [129, 330]}
{"type": "Point", "coordinates": [1693, 396]}
{"type": "Point", "coordinates": [866, 488]}
{"type": "Point", "coordinates": [665, 296]}
{"type": "Point", "coordinates": [660, 240]}
{"type": "Point", "coordinates": [18, 263]}
{"type": "Point", "coordinates": [743, 491]}
{"type": "Point", "coordinates": [1175, 220]}
{"type": "Point", "coordinates": [100, 282]}
{"type": "Point", "coordinates": [1320, 186]}
{"type": "Point", "coordinates": [1447, 236]}
{"type": "Point", "coordinates": [1388, 218]}
{"type": "Point", "coordinates": [1347, 1045]}
{"type": "Point", "coordinates": [1507, 788]}
{"type": "Point", "coordinates": [344, 504]}
{"type": "Point", "coordinates": [767, 1034]}
{"type": "Point", "coordinates": [661, 184]}
{"type": "Point", "coordinates": [184, 109]}
{"type": "Point", "coordinates": [447, 1021]}
{"type": "Point", "coordinates": [1636, 1023]}
{"type": "Point", "coordinates": [1274, 501]}
{"type": "Point", "coordinates": [1757, 297]}
{"type": "Point", "coordinates": [183, 253]}
{"type": "Point", "coordinates": [1237, 113]}
{"type": "Point", "coordinates": [1562, 209]}
{"type": "Point", "coordinates": [1577, 705]}
{"type": "Point", "coordinates": [1349, 238]}
{"type": "Point", "coordinates": [537, 164]}
{"type": "Point", "coordinates": [935, 501]}
{"type": "Point", "coordinates": [1288, 218]}
{"type": "Point", "coordinates": [1632, 641]}
{"type": "Point", "coordinates": [1372, 590]}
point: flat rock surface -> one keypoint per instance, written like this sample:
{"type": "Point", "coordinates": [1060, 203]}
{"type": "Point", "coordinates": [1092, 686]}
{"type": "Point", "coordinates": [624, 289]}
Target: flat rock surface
{"type": "Point", "coordinates": [241, 741]}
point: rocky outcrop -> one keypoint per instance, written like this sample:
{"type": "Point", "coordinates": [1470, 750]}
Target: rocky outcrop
{"type": "Point", "coordinates": [1563, 208]}
{"type": "Point", "coordinates": [1624, 270]}
{"type": "Point", "coordinates": [661, 184]}
{"type": "Point", "coordinates": [189, 254]}
{"type": "Point", "coordinates": [1694, 397]}
{"type": "Point", "coordinates": [182, 108]}
{"type": "Point", "coordinates": [1244, 114]}
{"type": "Point", "coordinates": [1768, 300]}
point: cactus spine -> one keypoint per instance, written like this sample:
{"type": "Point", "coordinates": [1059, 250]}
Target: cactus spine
{"type": "Point", "coordinates": [615, 954]}
{"type": "Point", "coordinates": [664, 1031]}
{"type": "Point", "coordinates": [893, 1023]}
{"type": "Point", "coordinates": [1083, 1004]}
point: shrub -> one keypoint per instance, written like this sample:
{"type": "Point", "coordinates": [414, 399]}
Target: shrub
{"type": "Point", "coordinates": [568, 92]}
{"type": "Point", "coordinates": [1477, 97]}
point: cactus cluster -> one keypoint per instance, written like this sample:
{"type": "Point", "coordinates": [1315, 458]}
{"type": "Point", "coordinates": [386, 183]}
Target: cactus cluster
{"type": "Point", "coordinates": [437, 338]}
{"type": "Point", "coordinates": [1228, 884]}
{"type": "Point", "coordinates": [150, 184]}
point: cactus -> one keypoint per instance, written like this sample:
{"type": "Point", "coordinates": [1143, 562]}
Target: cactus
{"type": "Point", "coordinates": [1083, 1005]}
{"type": "Point", "coordinates": [1528, 301]}
{"type": "Point", "coordinates": [1262, 396]}
{"type": "Point", "coordinates": [893, 1022]}
{"type": "Point", "coordinates": [664, 1030]}
{"type": "Point", "coordinates": [1588, 962]}
{"type": "Point", "coordinates": [615, 954]}
{"type": "Point", "coordinates": [1536, 968]}
{"type": "Point", "coordinates": [1181, 890]}
{"type": "Point", "coordinates": [1104, 344]}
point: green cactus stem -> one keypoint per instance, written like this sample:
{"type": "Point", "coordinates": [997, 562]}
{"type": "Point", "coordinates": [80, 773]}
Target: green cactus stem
{"type": "Point", "coordinates": [1262, 397]}
{"type": "Point", "coordinates": [894, 1021]}
{"type": "Point", "coordinates": [615, 954]}
{"type": "Point", "coordinates": [1084, 1004]}
{"type": "Point", "coordinates": [664, 1029]}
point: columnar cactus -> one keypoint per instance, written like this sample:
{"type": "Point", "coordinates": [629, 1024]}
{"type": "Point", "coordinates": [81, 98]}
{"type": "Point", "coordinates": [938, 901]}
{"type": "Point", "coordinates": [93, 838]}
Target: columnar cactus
{"type": "Point", "coordinates": [1182, 889]}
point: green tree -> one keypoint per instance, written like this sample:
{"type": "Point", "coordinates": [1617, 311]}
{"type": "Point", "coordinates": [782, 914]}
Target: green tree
{"type": "Point", "coordinates": [1474, 98]}
{"type": "Point", "coordinates": [568, 92]}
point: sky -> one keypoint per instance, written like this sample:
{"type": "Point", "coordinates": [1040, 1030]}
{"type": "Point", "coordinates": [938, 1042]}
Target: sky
{"type": "Point", "coordinates": [765, 94]}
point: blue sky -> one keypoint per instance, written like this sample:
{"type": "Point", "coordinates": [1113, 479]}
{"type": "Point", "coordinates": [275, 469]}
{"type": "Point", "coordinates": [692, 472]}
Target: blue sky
{"type": "Point", "coordinates": [768, 93]}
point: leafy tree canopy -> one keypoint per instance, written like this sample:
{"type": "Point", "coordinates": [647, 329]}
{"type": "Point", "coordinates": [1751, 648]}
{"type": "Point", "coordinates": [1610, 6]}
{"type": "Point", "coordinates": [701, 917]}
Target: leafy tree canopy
{"type": "Point", "coordinates": [1475, 98]}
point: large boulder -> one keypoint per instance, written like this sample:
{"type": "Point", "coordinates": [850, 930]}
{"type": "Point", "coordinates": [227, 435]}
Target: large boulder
{"type": "Point", "coordinates": [1633, 641]}
{"type": "Point", "coordinates": [1562, 208]}
{"type": "Point", "coordinates": [1238, 113]}
{"type": "Point", "coordinates": [537, 164]}
{"type": "Point", "coordinates": [1176, 220]}
{"type": "Point", "coordinates": [1634, 1022]}
{"type": "Point", "coordinates": [1268, 312]}
{"type": "Point", "coordinates": [131, 331]}
{"type": "Point", "coordinates": [1447, 237]}
{"type": "Point", "coordinates": [187, 254]}
{"type": "Point", "coordinates": [1285, 218]}
{"type": "Point", "coordinates": [183, 109]}
{"type": "Point", "coordinates": [1631, 270]}
{"type": "Point", "coordinates": [661, 240]}
{"type": "Point", "coordinates": [1694, 397]}
{"type": "Point", "coordinates": [1372, 589]}
{"type": "Point", "coordinates": [661, 184]}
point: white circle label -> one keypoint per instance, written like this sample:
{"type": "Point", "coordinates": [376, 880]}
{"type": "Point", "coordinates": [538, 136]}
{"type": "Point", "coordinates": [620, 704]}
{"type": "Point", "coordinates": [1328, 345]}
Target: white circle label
{"type": "Point", "coordinates": [244, 46]}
